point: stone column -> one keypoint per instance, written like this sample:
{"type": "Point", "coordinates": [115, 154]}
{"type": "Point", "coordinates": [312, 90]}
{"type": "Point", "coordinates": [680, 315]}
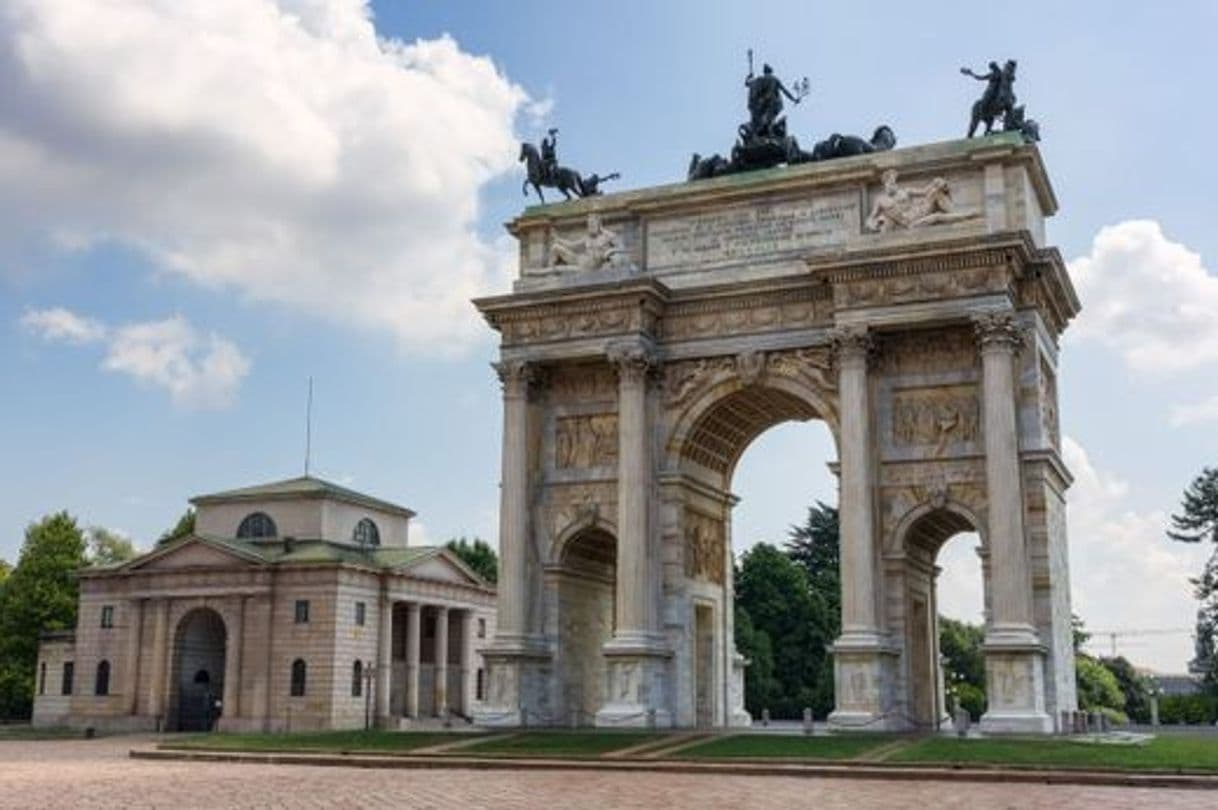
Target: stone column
{"type": "Point", "coordinates": [513, 586]}
{"type": "Point", "coordinates": [637, 653]}
{"type": "Point", "coordinates": [384, 659]}
{"type": "Point", "coordinates": [135, 627]}
{"type": "Point", "coordinates": [412, 658]}
{"type": "Point", "coordinates": [467, 661]}
{"type": "Point", "coordinates": [1015, 685]}
{"type": "Point", "coordinates": [160, 657]}
{"type": "Point", "coordinates": [862, 655]}
{"type": "Point", "coordinates": [441, 671]}
{"type": "Point", "coordinates": [235, 641]}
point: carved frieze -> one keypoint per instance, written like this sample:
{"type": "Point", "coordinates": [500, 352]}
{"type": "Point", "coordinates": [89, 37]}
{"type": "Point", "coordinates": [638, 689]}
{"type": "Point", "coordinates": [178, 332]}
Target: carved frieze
{"type": "Point", "coordinates": [928, 351]}
{"type": "Point", "coordinates": [582, 384]}
{"type": "Point", "coordinates": [588, 440]}
{"type": "Point", "coordinates": [552, 322]}
{"type": "Point", "coordinates": [684, 377]}
{"type": "Point", "coordinates": [814, 364]}
{"type": "Point", "coordinates": [793, 309]}
{"type": "Point", "coordinates": [705, 557]}
{"type": "Point", "coordinates": [933, 418]}
{"type": "Point", "coordinates": [923, 287]}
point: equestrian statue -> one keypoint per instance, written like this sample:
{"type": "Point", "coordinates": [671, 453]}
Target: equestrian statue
{"type": "Point", "coordinates": [542, 169]}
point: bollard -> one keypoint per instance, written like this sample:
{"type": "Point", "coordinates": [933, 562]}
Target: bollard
{"type": "Point", "coordinates": [1154, 710]}
{"type": "Point", "coordinates": [1080, 722]}
{"type": "Point", "coordinates": [651, 718]}
{"type": "Point", "coordinates": [765, 717]}
{"type": "Point", "coordinates": [1067, 722]}
{"type": "Point", "coordinates": [807, 720]}
{"type": "Point", "coordinates": [961, 722]}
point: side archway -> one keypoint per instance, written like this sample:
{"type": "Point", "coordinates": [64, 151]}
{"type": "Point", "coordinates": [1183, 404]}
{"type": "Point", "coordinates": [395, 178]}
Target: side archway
{"type": "Point", "coordinates": [199, 651]}
{"type": "Point", "coordinates": [586, 583]}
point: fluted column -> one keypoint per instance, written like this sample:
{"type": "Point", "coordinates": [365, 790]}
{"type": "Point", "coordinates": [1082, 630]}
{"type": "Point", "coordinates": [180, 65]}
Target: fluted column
{"type": "Point", "coordinates": [860, 618]}
{"type": "Point", "coordinates": [635, 608]}
{"type": "Point", "coordinates": [513, 585]}
{"type": "Point", "coordinates": [384, 658]}
{"type": "Point", "coordinates": [412, 659]}
{"type": "Point", "coordinates": [441, 670]}
{"type": "Point", "coordinates": [1010, 584]}
{"type": "Point", "coordinates": [231, 709]}
{"type": "Point", "coordinates": [135, 625]}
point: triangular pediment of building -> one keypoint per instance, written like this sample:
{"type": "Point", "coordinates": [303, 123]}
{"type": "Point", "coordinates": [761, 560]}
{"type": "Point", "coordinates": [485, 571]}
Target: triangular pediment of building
{"type": "Point", "coordinates": [192, 552]}
{"type": "Point", "coordinates": [442, 566]}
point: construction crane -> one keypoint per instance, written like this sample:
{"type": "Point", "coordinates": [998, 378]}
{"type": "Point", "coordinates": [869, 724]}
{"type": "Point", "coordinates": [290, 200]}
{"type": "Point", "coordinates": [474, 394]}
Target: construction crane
{"type": "Point", "coordinates": [1113, 635]}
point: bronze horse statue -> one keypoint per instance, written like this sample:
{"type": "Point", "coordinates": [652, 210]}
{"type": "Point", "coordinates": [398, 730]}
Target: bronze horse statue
{"type": "Point", "coordinates": [837, 145]}
{"type": "Point", "coordinates": [564, 179]}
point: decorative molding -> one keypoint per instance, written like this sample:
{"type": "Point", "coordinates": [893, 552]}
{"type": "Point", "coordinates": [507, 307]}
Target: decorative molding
{"type": "Point", "coordinates": [634, 360]}
{"type": "Point", "coordinates": [998, 331]}
{"type": "Point", "coordinates": [852, 344]}
{"type": "Point", "coordinates": [516, 376]}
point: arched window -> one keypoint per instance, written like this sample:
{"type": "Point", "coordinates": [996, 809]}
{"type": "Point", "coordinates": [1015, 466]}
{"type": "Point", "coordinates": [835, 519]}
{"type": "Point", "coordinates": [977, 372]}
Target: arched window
{"type": "Point", "coordinates": [357, 679]}
{"type": "Point", "coordinates": [258, 524]}
{"type": "Point", "coordinates": [101, 684]}
{"type": "Point", "coordinates": [299, 675]}
{"type": "Point", "coordinates": [366, 533]}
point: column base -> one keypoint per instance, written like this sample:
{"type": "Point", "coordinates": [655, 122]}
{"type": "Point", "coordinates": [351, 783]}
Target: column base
{"type": "Point", "coordinates": [518, 686]}
{"type": "Point", "coordinates": [1013, 723]}
{"type": "Point", "coordinates": [638, 680]}
{"type": "Point", "coordinates": [1015, 684]}
{"type": "Point", "coordinates": [864, 674]}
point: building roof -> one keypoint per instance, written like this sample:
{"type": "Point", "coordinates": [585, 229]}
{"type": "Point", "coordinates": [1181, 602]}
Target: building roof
{"type": "Point", "coordinates": [306, 486]}
{"type": "Point", "coordinates": [306, 551]}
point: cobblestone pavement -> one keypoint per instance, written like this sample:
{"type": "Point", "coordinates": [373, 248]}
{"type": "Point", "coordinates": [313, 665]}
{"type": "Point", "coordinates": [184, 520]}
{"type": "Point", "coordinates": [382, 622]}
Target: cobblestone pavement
{"type": "Point", "coordinates": [98, 774]}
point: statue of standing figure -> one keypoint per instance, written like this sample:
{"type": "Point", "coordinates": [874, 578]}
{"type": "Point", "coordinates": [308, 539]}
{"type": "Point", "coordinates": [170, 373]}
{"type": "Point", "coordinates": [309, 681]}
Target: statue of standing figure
{"type": "Point", "coordinates": [765, 101]}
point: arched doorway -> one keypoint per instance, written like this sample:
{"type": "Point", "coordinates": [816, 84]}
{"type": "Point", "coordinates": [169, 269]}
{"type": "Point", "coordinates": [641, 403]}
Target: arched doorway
{"type": "Point", "coordinates": [199, 658]}
{"type": "Point", "coordinates": [924, 535]}
{"type": "Point", "coordinates": [586, 584]}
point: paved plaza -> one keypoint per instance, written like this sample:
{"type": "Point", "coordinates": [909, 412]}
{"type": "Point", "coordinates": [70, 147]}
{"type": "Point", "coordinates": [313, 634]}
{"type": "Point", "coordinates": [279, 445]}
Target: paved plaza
{"type": "Point", "coordinates": [98, 773]}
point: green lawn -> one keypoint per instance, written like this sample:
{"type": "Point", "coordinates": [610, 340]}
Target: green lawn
{"type": "Point", "coordinates": [769, 746]}
{"type": "Point", "coordinates": [561, 743]}
{"type": "Point", "coordinates": [1165, 753]}
{"type": "Point", "coordinates": [31, 733]}
{"type": "Point", "coordinates": [333, 741]}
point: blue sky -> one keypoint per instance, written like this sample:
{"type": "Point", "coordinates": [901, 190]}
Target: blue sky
{"type": "Point", "coordinates": [211, 203]}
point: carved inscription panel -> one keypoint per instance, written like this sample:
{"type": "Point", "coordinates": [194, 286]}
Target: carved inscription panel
{"type": "Point", "coordinates": [586, 441]}
{"type": "Point", "coordinates": [934, 418]}
{"type": "Point", "coordinates": [747, 232]}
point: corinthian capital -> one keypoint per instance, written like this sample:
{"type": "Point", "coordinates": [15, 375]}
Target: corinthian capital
{"type": "Point", "coordinates": [633, 360]}
{"type": "Point", "coordinates": [516, 376]}
{"type": "Point", "coordinates": [998, 331]}
{"type": "Point", "coordinates": [852, 344]}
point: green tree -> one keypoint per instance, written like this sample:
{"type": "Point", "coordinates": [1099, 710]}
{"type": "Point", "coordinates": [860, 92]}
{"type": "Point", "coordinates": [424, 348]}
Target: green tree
{"type": "Point", "coordinates": [1135, 687]}
{"type": "Point", "coordinates": [773, 590]}
{"type": "Point", "coordinates": [107, 547]}
{"type": "Point", "coordinates": [1197, 522]}
{"type": "Point", "coordinates": [816, 546]}
{"type": "Point", "coordinates": [964, 664]}
{"type": "Point", "coordinates": [761, 688]}
{"type": "Point", "coordinates": [40, 594]}
{"type": "Point", "coordinates": [1098, 688]}
{"type": "Point", "coordinates": [184, 527]}
{"type": "Point", "coordinates": [5, 570]}
{"type": "Point", "coordinates": [478, 555]}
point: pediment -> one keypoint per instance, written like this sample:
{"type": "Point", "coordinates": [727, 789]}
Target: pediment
{"type": "Point", "coordinates": [442, 568]}
{"type": "Point", "coordinates": [192, 553]}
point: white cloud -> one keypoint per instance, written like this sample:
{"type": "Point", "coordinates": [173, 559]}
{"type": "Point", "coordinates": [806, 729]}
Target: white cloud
{"type": "Point", "coordinates": [1126, 573]}
{"type": "Point", "coordinates": [198, 370]}
{"type": "Point", "coordinates": [1148, 298]}
{"type": "Point", "coordinates": [277, 148]}
{"type": "Point", "coordinates": [59, 324]}
{"type": "Point", "coordinates": [1195, 413]}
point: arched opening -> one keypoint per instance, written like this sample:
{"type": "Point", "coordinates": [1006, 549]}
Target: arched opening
{"type": "Point", "coordinates": [257, 525]}
{"type": "Point", "coordinates": [587, 579]}
{"type": "Point", "coordinates": [199, 657]}
{"type": "Point", "coordinates": [944, 616]}
{"type": "Point", "coordinates": [750, 471]}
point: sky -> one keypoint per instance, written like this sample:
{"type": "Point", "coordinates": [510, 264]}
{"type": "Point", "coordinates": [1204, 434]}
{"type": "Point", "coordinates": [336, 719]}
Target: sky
{"type": "Point", "coordinates": [202, 205]}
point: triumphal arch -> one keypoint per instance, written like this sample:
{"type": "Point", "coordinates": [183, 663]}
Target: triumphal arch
{"type": "Point", "coordinates": [908, 300]}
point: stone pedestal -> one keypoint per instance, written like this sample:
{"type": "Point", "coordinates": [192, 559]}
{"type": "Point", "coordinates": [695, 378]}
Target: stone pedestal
{"type": "Point", "coordinates": [1015, 690]}
{"type": "Point", "coordinates": [864, 672]}
{"type": "Point", "coordinates": [738, 716]}
{"type": "Point", "coordinates": [637, 696]}
{"type": "Point", "coordinates": [518, 693]}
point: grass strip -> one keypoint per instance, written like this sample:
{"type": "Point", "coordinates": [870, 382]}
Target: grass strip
{"type": "Point", "coordinates": [334, 741]}
{"type": "Point", "coordinates": [779, 746]}
{"type": "Point", "coordinates": [560, 743]}
{"type": "Point", "coordinates": [1165, 754]}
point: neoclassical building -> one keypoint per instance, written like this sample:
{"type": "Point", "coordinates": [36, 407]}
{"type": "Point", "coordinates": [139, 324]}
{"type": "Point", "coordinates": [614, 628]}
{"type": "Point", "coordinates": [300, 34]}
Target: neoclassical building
{"type": "Point", "coordinates": [293, 605]}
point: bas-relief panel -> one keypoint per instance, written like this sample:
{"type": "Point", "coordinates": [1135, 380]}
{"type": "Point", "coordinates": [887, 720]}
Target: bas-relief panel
{"type": "Point", "coordinates": [1048, 405]}
{"type": "Point", "coordinates": [589, 440]}
{"type": "Point", "coordinates": [744, 232]}
{"type": "Point", "coordinates": [578, 385]}
{"type": "Point", "coordinates": [704, 552]}
{"type": "Point", "coordinates": [794, 309]}
{"type": "Point", "coordinates": [928, 352]}
{"type": "Point", "coordinates": [932, 419]}
{"type": "Point", "coordinates": [1010, 682]}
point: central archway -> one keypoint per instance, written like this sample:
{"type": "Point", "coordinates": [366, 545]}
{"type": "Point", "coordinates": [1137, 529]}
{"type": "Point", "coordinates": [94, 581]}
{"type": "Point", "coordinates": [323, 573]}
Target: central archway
{"type": "Point", "coordinates": [198, 666]}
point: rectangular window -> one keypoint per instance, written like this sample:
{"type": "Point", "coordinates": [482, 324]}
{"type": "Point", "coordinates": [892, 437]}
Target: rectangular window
{"type": "Point", "coordinates": [482, 628]}
{"type": "Point", "coordinates": [42, 678]}
{"type": "Point", "coordinates": [107, 616]}
{"type": "Point", "coordinates": [302, 611]}
{"type": "Point", "coordinates": [69, 673]}
{"type": "Point", "coordinates": [480, 689]}
{"type": "Point", "coordinates": [361, 613]}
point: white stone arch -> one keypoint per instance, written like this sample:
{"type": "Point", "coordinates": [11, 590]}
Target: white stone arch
{"type": "Point", "coordinates": [589, 520]}
{"type": "Point", "coordinates": [900, 532]}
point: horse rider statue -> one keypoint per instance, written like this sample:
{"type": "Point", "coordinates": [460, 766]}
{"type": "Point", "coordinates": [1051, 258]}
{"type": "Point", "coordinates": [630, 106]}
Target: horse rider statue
{"type": "Point", "coordinates": [998, 99]}
{"type": "Point", "coordinates": [549, 156]}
